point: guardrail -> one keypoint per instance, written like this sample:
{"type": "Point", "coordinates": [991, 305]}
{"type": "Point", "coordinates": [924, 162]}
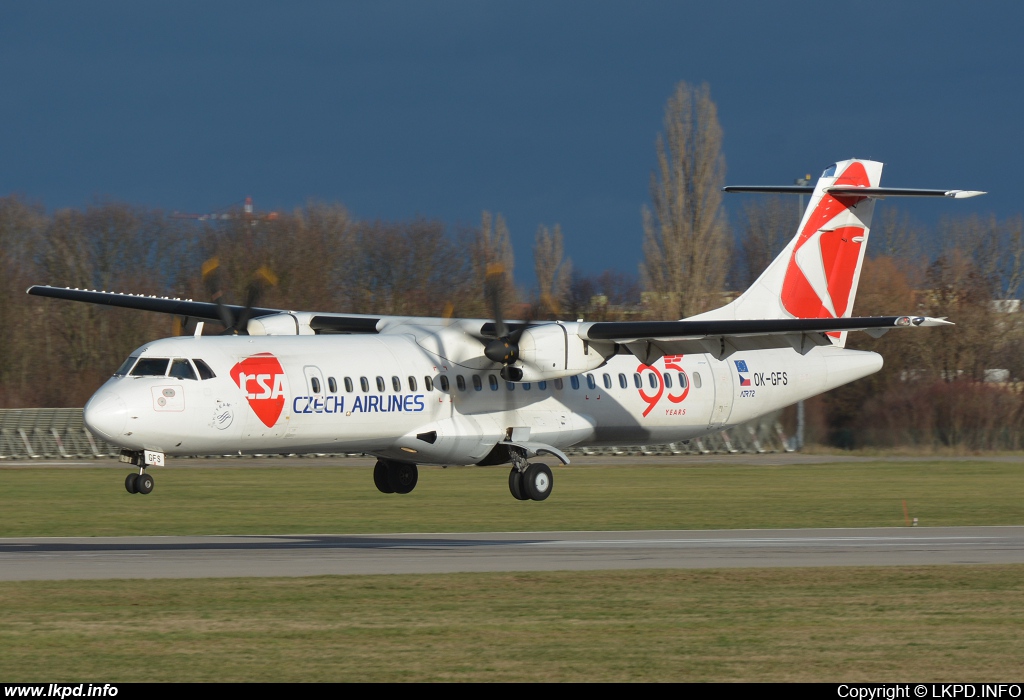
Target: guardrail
{"type": "Point", "coordinates": [36, 433]}
{"type": "Point", "coordinates": [60, 433]}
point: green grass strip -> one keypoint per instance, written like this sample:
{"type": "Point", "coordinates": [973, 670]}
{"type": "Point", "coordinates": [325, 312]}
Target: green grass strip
{"type": "Point", "coordinates": [835, 624]}
{"type": "Point", "coordinates": [327, 499]}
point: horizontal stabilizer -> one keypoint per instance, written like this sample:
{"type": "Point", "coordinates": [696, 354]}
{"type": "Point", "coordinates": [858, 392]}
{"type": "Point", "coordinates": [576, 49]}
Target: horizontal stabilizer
{"type": "Point", "coordinates": [771, 189]}
{"type": "Point", "coordinates": [855, 191]}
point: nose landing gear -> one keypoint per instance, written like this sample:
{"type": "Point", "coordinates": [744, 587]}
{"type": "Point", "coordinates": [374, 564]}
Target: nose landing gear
{"type": "Point", "coordinates": [141, 482]}
{"type": "Point", "coordinates": [138, 483]}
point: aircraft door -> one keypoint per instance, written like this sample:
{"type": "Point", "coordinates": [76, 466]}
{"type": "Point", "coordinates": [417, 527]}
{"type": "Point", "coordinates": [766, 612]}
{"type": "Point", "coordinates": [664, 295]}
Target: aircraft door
{"type": "Point", "coordinates": [723, 392]}
{"type": "Point", "coordinates": [314, 381]}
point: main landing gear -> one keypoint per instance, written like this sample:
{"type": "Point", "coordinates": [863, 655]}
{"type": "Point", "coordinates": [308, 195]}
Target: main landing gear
{"type": "Point", "coordinates": [141, 482]}
{"type": "Point", "coordinates": [395, 477]}
{"type": "Point", "coordinates": [529, 482]}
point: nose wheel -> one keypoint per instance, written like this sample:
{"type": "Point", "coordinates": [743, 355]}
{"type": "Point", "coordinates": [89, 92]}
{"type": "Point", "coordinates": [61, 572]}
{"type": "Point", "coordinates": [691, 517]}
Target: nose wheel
{"type": "Point", "coordinates": [141, 482]}
{"type": "Point", "coordinates": [138, 483]}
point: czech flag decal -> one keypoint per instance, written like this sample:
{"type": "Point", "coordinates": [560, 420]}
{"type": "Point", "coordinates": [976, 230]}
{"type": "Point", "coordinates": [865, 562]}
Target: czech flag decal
{"type": "Point", "coordinates": [741, 366]}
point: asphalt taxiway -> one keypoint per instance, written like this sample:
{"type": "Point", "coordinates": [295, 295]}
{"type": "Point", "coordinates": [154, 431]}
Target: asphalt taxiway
{"type": "Point", "coordinates": [311, 555]}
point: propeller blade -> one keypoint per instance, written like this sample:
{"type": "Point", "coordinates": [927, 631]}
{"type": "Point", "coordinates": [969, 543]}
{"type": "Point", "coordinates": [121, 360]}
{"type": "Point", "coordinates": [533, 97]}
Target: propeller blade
{"type": "Point", "coordinates": [262, 278]}
{"type": "Point", "coordinates": [211, 278]}
{"type": "Point", "coordinates": [494, 283]}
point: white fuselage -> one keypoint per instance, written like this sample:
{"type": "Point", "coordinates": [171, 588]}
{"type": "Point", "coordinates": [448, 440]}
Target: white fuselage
{"type": "Point", "coordinates": [386, 395]}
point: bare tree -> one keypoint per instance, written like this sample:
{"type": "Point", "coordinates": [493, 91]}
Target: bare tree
{"type": "Point", "coordinates": [553, 269]}
{"type": "Point", "coordinates": [685, 236]}
{"type": "Point", "coordinates": [768, 224]}
{"type": "Point", "coordinates": [895, 235]}
{"type": "Point", "coordinates": [492, 257]}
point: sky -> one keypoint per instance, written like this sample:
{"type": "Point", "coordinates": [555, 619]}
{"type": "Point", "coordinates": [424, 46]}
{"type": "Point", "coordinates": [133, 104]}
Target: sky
{"type": "Point", "coordinates": [546, 112]}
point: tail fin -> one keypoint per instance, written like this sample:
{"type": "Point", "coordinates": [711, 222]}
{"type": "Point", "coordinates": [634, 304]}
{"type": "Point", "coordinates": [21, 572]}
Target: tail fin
{"type": "Point", "coordinates": [816, 274]}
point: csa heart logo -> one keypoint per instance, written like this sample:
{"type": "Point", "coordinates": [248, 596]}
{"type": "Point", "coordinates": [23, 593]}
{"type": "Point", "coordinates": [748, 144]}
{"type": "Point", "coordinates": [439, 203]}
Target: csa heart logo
{"type": "Point", "coordinates": [262, 380]}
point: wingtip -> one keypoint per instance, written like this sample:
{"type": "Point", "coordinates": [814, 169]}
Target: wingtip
{"type": "Point", "coordinates": [930, 321]}
{"type": "Point", "coordinates": [964, 194]}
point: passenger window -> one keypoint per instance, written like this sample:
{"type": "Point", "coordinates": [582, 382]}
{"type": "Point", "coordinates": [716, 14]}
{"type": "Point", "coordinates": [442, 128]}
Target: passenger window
{"type": "Point", "coordinates": [574, 381]}
{"type": "Point", "coordinates": [607, 381]}
{"type": "Point", "coordinates": [477, 383]}
{"type": "Point", "coordinates": [412, 383]}
{"type": "Point", "coordinates": [591, 383]}
{"type": "Point", "coordinates": [668, 380]}
{"type": "Point", "coordinates": [348, 385]}
{"type": "Point", "coordinates": [428, 384]}
{"type": "Point", "coordinates": [511, 386]}
{"type": "Point", "coordinates": [652, 379]}
{"type": "Point", "coordinates": [396, 383]}
{"type": "Point", "coordinates": [204, 369]}
{"type": "Point", "coordinates": [315, 383]}
{"type": "Point", "coordinates": [543, 386]}
{"type": "Point", "coordinates": [444, 382]}
{"type": "Point", "coordinates": [526, 386]}
{"type": "Point", "coordinates": [696, 380]}
{"type": "Point", "coordinates": [151, 367]}
{"type": "Point", "coordinates": [622, 381]}
{"type": "Point", "coordinates": [380, 384]}
{"type": "Point", "coordinates": [559, 384]}
{"type": "Point", "coordinates": [364, 384]}
{"type": "Point", "coordinates": [125, 366]}
{"type": "Point", "coordinates": [332, 384]}
{"type": "Point", "coordinates": [493, 382]}
{"type": "Point", "coordinates": [637, 382]}
{"type": "Point", "coordinates": [460, 382]}
{"type": "Point", "coordinates": [181, 369]}
{"type": "Point", "coordinates": [682, 380]}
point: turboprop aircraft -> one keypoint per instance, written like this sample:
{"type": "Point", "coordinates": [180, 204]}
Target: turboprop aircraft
{"type": "Point", "coordinates": [411, 390]}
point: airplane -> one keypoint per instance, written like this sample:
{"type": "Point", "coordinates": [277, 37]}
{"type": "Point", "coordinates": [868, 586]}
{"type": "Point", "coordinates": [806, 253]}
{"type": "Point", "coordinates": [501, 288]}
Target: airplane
{"type": "Point", "coordinates": [439, 391]}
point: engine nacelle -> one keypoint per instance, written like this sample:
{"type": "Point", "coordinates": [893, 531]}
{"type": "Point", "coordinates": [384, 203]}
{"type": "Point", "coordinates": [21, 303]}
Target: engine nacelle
{"type": "Point", "coordinates": [279, 324]}
{"type": "Point", "coordinates": [555, 350]}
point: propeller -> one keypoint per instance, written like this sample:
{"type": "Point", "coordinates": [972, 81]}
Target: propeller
{"type": "Point", "coordinates": [503, 348]}
{"type": "Point", "coordinates": [235, 324]}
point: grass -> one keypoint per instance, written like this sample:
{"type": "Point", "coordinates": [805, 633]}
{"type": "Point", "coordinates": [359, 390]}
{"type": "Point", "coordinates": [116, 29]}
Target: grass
{"type": "Point", "coordinates": [951, 623]}
{"type": "Point", "coordinates": [319, 499]}
{"type": "Point", "coordinates": [865, 624]}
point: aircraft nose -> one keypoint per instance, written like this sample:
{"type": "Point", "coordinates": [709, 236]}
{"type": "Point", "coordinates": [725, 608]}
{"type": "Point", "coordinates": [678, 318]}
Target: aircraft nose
{"type": "Point", "coordinates": [106, 415]}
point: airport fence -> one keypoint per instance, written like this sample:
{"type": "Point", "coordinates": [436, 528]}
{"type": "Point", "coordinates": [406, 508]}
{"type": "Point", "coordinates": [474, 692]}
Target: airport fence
{"type": "Point", "coordinates": [60, 433]}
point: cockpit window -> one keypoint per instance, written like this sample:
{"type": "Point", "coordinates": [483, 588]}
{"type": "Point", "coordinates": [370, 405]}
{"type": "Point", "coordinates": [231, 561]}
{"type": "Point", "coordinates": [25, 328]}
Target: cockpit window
{"type": "Point", "coordinates": [151, 367]}
{"type": "Point", "coordinates": [204, 369]}
{"type": "Point", "coordinates": [125, 366]}
{"type": "Point", "coordinates": [181, 369]}
{"type": "Point", "coordinates": [830, 171]}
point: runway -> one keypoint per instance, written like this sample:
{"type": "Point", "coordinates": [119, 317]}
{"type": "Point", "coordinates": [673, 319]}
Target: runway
{"type": "Point", "coordinates": [23, 559]}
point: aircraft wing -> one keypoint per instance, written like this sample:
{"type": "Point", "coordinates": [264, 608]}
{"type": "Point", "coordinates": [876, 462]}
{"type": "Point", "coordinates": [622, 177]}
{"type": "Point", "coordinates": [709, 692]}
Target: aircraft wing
{"type": "Point", "coordinates": [609, 331]}
{"type": "Point", "coordinates": [203, 310]}
{"type": "Point", "coordinates": [631, 331]}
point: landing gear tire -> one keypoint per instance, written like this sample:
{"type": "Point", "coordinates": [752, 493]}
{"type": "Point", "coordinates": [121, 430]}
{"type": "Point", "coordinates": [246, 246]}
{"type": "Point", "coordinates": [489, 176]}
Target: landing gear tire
{"type": "Point", "coordinates": [515, 485]}
{"type": "Point", "coordinates": [129, 483]}
{"type": "Point", "coordinates": [143, 483]}
{"type": "Point", "coordinates": [537, 482]}
{"type": "Point", "coordinates": [380, 477]}
{"type": "Point", "coordinates": [402, 476]}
